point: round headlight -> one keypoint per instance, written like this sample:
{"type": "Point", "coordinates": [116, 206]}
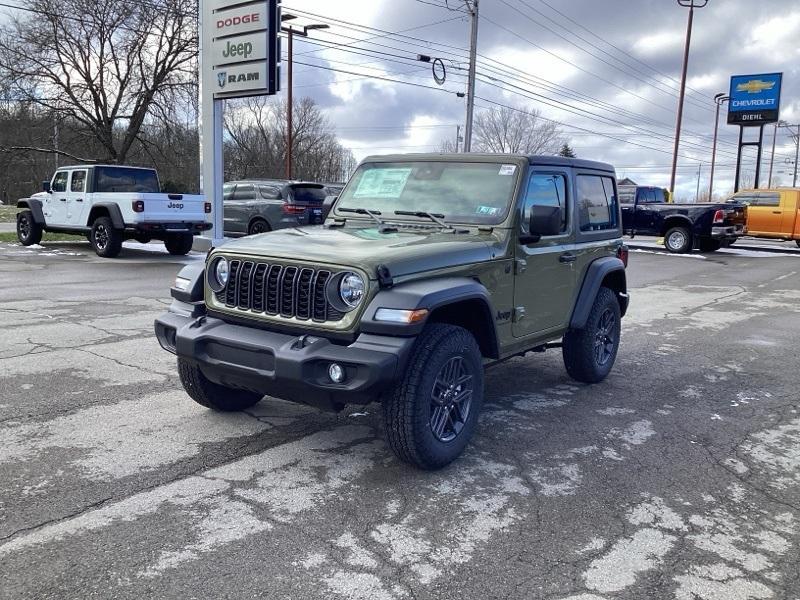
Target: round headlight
{"type": "Point", "coordinates": [219, 274]}
{"type": "Point", "coordinates": [352, 289]}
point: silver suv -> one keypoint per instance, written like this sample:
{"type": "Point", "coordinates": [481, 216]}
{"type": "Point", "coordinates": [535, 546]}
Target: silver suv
{"type": "Point", "coordinates": [257, 206]}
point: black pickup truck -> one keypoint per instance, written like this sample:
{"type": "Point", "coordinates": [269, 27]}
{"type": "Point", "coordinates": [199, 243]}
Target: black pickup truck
{"type": "Point", "coordinates": [684, 227]}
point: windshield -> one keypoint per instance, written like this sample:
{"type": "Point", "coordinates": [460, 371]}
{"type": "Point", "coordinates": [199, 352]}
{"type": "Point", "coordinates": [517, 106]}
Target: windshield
{"type": "Point", "coordinates": [627, 194]}
{"type": "Point", "coordinates": [122, 179]}
{"type": "Point", "coordinates": [467, 192]}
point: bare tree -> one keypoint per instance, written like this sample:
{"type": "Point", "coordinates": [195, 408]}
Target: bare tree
{"type": "Point", "coordinates": [510, 130]}
{"type": "Point", "coordinates": [256, 129]}
{"type": "Point", "coordinates": [107, 66]}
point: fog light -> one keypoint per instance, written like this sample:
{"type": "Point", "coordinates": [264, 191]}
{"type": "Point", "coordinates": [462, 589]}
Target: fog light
{"type": "Point", "coordinates": [336, 373]}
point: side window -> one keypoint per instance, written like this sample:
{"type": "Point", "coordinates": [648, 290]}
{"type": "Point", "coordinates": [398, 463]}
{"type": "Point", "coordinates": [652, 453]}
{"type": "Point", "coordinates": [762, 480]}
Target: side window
{"type": "Point", "coordinates": [245, 192]}
{"type": "Point", "coordinates": [60, 181]}
{"type": "Point", "coordinates": [78, 182]}
{"type": "Point", "coordinates": [597, 203]}
{"type": "Point", "coordinates": [227, 191]}
{"type": "Point", "coordinates": [768, 199]}
{"type": "Point", "coordinates": [651, 196]}
{"type": "Point", "coordinates": [659, 195]}
{"type": "Point", "coordinates": [269, 192]}
{"type": "Point", "coordinates": [546, 189]}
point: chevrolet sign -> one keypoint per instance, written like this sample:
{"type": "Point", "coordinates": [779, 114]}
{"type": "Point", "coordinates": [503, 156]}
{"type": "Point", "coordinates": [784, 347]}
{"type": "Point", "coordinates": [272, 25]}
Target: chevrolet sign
{"type": "Point", "coordinates": [754, 99]}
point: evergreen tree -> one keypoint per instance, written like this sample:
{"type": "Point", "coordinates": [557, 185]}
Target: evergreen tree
{"type": "Point", "coordinates": [566, 150]}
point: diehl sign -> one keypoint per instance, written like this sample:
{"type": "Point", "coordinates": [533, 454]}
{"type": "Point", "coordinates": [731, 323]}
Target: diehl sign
{"type": "Point", "coordinates": [754, 99]}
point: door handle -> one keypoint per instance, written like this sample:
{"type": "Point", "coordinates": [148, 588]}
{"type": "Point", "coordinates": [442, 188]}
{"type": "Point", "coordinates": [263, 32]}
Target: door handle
{"type": "Point", "coordinates": [63, 199]}
{"type": "Point", "coordinates": [78, 199]}
{"type": "Point", "coordinates": [776, 212]}
{"type": "Point", "coordinates": [567, 258]}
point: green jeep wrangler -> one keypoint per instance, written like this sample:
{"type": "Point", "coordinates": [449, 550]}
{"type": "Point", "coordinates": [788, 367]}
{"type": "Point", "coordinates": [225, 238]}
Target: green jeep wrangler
{"type": "Point", "coordinates": [428, 268]}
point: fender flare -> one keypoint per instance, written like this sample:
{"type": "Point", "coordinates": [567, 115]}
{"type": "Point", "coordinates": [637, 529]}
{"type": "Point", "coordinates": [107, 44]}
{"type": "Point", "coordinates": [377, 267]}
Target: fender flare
{"type": "Point", "coordinates": [595, 274]}
{"type": "Point", "coordinates": [429, 294]}
{"type": "Point", "coordinates": [35, 206]}
{"type": "Point", "coordinates": [683, 219]}
{"type": "Point", "coordinates": [113, 211]}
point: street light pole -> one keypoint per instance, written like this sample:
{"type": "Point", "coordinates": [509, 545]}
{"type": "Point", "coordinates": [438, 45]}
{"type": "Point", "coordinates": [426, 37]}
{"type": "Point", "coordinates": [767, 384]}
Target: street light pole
{"type": "Point", "coordinates": [691, 5]}
{"type": "Point", "coordinates": [473, 50]}
{"type": "Point", "coordinates": [290, 33]}
{"type": "Point", "coordinates": [719, 99]}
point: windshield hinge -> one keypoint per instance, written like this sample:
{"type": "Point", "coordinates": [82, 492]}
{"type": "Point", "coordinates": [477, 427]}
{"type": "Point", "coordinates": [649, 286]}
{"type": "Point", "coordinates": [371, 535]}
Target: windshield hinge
{"type": "Point", "coordinates": [384, 276]}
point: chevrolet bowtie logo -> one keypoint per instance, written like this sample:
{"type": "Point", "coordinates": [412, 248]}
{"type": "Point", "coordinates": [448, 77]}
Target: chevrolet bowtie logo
{"type": "Point", "coordinates": [754, 86]}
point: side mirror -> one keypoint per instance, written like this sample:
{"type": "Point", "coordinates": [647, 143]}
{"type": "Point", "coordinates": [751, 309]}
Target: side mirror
{"type": "Point", "coordinates": [46, 187]}
{"type": "Point", "coordinates": [327, 205]}
{"type": "Point", "coordinates": [544, 221]}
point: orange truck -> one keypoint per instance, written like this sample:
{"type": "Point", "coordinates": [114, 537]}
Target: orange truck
{"type": "Point", "coordinates": [773, 213]}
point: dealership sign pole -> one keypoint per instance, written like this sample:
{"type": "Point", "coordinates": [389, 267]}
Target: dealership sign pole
{"type": "Point", "coordinates": [754, 102]}
{"type": "Point", "coordinates": [239, 57]}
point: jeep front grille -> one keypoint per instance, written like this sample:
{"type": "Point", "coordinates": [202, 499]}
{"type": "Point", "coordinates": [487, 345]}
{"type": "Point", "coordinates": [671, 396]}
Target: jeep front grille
{"type": "Point", "coordinates": [279, 290]}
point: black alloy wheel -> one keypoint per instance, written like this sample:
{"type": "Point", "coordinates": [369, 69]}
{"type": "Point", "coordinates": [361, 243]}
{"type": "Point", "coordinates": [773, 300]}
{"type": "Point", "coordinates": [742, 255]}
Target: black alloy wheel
{"type": "Point", "coordinates": [451, 399]}
{"type": "Point", "coordinates": [605, 338]}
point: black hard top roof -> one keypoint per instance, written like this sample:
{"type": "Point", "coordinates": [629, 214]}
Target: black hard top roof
{"type": "Point", "coordinates": [560, 161]}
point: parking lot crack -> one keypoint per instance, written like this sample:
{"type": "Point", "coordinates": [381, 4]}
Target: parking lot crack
{"type": "Point", "coordinates": [66, 517]}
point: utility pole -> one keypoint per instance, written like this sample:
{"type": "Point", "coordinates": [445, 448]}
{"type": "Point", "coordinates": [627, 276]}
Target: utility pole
{"type": "Point", "coordinates": [796, 137]}
{"type": "Point", "coordinates": [719, 99]}
{"type": "Point", "coordinates": [458, 136]}
{"type": "Point", "coordinates": [772, 158]}
{"type": "Point", "coordinates": [472, 7]}
{"type": "Point", "coordinates": [691, 5]}
{"type": "Point", "coordinates": [697, 192]}
{"type": "Point", "coordinates": [290, 33]}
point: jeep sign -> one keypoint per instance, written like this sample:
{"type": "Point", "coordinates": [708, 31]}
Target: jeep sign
{"type": "Point", "coordinates": [242, 48]}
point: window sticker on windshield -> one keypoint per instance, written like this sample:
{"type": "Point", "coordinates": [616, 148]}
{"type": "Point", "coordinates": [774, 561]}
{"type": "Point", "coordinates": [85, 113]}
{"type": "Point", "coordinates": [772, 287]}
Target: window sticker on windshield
{"type": "Point", "coordinates": [487, 210]}
{"type": "Point", "coordinates": [508, 169]}
{"type": "Point", "coordinates": [382, 183]}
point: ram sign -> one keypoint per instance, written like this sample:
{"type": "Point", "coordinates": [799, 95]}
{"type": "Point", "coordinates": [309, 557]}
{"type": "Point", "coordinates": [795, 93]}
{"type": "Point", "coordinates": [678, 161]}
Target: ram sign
{"type": "Point", "coordinates": [754, 99]}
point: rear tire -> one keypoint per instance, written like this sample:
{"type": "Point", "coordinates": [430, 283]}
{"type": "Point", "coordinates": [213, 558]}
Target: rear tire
{"type": "Point", "coordinates": [258, 226]}
{"type": "Point", "coordinates": [179, 244]}
{"type": "Point", "coordinates": [432, 413]}
{"type": "Point", "coordinates": [106, 241]}
{"type": "Point", "coordinates": [678, 240]}
{"type": "Point", "coordinates": [28, 231]}
{"type": "Point", "coordinates": [589, 353]}
{"type": "Point", "coordinates": [212, 395]}
{"type": "Point", "coordinates": [709, 245]}
{"type": "Point", "coordinates": [797, 242]}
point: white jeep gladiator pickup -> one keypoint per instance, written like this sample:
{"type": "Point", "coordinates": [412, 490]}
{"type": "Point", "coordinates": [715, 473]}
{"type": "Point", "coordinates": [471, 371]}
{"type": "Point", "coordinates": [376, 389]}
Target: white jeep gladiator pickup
{"type": "Point", "coordinates": [110, 204]}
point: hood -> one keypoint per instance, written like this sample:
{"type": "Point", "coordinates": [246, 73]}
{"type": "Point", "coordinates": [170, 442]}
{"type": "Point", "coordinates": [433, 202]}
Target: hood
{"type": "Point", "coordinates": [404, 252]}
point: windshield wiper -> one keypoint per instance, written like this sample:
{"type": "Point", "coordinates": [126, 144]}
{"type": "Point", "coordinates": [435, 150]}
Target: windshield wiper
{"type": "Point", "coordinates": [383, 227]}
{"type": "Point", "coordinates": [435, 217]}
{"type": "Point", "coordinates": [373, 214]}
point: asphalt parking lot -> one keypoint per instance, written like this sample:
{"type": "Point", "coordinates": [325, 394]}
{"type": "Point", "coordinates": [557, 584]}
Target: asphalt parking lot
{"type": "Point", "coordinates": [678, 477]}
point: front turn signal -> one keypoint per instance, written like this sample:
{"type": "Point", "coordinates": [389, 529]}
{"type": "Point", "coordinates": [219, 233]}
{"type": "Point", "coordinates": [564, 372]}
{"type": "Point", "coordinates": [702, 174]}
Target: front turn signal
{"type": "Point", "coordinates": [397, 315]}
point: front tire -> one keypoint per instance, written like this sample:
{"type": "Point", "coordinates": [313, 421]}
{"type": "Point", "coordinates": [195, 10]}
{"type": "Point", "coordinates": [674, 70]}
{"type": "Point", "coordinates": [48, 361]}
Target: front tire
{"type": "Point", "coordinates": [179, 244]}
{"type": "Point", "coordinates": [28, 231]}
{"type": "Point", "coordinates": [678, 240]}
{"type": "Point", "coordinates": [433, 411]}
{"type": "Point", "coordinates": [589, 353]}
{"type": "Point", "coordinates": [106, 241]}
{"type": "Point", "coordinates": [212, 395]}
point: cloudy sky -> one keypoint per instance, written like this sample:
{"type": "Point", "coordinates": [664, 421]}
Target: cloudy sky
{"type": "Point", "coordinates": [606, 67]}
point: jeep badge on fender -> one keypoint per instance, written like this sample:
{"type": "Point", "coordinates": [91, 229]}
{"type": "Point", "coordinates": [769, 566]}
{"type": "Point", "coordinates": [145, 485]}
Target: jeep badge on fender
{"type": "Point", "coordinates": [428, 267]}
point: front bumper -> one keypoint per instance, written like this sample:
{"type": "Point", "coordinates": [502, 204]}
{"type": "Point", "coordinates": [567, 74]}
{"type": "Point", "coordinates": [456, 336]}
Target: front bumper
{"type": "Point", "coordinates": [727, 231]}
{"type": "Point", "coordinates": [285, 366]}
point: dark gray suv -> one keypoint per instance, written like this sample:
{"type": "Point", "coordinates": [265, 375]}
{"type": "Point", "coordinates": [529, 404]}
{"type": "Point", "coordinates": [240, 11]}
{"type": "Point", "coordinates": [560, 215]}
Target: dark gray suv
{"type": "Point", "coordinates": [258, 206]}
